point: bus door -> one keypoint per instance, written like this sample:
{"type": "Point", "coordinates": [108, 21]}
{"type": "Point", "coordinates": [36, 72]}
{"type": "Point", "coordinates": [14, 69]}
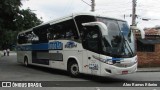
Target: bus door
{"type": "Point", "coordinates": [91, 44]}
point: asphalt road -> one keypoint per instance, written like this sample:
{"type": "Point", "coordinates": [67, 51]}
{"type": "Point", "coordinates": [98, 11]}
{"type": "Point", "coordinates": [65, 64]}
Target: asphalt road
{"type": "Point", "coordinates": [10, 70]}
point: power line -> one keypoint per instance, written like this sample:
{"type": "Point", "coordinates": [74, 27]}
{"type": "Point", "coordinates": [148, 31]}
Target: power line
{"type": "Point", "coordinates": [92, 4]}
{"type": "Point", "coordinates": [68, 6]}
{"type": "Point", "coordinates": [115, 4]}
{"type": "Point", "coordinates": [85, 2]}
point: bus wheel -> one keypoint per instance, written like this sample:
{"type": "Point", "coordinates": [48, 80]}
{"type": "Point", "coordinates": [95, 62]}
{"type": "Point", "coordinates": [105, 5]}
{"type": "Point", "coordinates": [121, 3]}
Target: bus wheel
{"type": "Point", "coordinates": [25, 61]}
{"type": "Point", "coordinates": [73, 69]}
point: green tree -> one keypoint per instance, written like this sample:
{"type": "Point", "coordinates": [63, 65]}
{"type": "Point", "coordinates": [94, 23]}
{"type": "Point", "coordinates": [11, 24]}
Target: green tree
{"type": "Point", "coordinates": [13, 20]}
{"type": "Point", "coordinates": [26, 19]}
{"type": "Point", "coordinates": [8, 9]}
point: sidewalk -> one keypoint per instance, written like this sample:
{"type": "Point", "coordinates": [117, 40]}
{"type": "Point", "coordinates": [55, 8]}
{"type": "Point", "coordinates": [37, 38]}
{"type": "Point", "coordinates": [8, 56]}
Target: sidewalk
{"type": "Point", "coordinates": [11, 53]}
{"type": "Point", "coordinates": [151, 69]}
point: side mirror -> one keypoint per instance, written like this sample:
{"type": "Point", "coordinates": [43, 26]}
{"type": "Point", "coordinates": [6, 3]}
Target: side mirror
{"type": "Point", "coordinates": [141, 31]}
{"type": "Point", "coordinates": [101, 25]}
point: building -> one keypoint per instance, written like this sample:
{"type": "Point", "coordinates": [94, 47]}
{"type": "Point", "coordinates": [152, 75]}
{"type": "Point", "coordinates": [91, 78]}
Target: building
{"type": "Point", "coordinates": [148, 49]}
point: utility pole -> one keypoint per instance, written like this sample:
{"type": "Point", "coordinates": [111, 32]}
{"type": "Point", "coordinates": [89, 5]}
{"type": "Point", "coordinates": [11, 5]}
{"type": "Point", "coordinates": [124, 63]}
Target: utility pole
{"type": "Point", "coordinates": [92, 5]}
{"type": "Point", "coordinates": [134, 3]}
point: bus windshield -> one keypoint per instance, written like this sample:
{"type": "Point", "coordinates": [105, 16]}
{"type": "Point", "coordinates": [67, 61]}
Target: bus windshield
{"type": "Point", "coordinates": [120, 40]}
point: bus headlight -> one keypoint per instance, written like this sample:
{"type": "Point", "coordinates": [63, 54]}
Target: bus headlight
{"type": "Point", "coordinates": [109, 62]}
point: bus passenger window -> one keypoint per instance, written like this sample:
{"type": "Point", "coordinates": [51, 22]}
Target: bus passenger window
{"type": "Point", "coordinates": [22, 38]}
{"type": "Point", "coordinates": [57, 35]}
{"type": "Point", "coordinates": [50, 33]}
{"type": "Point", "coordinates": [63, 30]}
{"type": "Point", "coordinates": [69, 34]}
{"type": "Point", "coordinates": [35, 38]}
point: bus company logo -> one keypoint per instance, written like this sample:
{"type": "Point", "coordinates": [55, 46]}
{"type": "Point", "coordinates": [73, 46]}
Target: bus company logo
{"type": "Point", "coordinates": [56, 45]}
{"type": "Point", "coordinates": [6, 84]}
{"type": "Point", "coordinates": [93, 66]}
{"type": "Point", "coordinates": [70, 44]}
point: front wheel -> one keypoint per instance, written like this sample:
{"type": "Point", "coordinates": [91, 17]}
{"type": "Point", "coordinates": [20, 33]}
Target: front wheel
{"type": "Point", "coordinates": [74, 69]}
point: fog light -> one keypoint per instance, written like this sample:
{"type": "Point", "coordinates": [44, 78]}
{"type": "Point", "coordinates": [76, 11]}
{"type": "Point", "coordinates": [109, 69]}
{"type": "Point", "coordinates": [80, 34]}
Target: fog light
{"type": "Point", "coordinates": [109, 71]}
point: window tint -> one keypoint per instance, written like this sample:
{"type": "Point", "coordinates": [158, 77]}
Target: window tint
{"type": "Point", "coordinates": [41, 32]}
{"type": "Point", "coordinates": [118, 42]}
{"type": "Point", "coordinates": [27, 37]}
{"type": "Point", "coordinates": [91, 38]}
{"type": "Point", "coordinates": [83, 19]}
{"type": "Point", "coordinates": [63, 30]}
{"type": "Point", "coordinates": [22, 39]}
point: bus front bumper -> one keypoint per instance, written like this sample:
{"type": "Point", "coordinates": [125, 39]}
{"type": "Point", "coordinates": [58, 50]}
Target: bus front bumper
{"type": "Point", "coordinates": [113, 70]}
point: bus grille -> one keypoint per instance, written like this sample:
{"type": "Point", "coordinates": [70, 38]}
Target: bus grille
{"type": "Point", "coordinates": [124, 65]}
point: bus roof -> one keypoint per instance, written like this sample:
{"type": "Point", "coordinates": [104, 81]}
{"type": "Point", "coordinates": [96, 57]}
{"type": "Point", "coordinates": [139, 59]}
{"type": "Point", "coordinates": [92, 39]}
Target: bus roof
{"type": "Point", "coordinates": [79, 14]}
{"type": "Point", "coordinates": [25, 31]}
{"type": "Point", "coordinates": [70, 17]}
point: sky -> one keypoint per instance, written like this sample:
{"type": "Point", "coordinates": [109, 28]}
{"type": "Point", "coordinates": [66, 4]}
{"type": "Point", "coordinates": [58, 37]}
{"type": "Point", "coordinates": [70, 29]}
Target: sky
{"type": "Point", "coordinates": [52, 9]}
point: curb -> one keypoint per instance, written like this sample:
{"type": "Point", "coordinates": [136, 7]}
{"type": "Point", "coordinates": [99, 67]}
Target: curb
{"type": "Point", "coordinates": [11, 53]}
{"type": "Point", "coordinates": [149, 69]}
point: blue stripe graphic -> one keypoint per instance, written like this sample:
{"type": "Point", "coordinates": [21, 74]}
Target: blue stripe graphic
{"type": "Point", "coordinates": [115, 59]}
{"type": "Point", "coordinates": [56, 45]}
{"type": "Point", "coordinates": [43, 46]}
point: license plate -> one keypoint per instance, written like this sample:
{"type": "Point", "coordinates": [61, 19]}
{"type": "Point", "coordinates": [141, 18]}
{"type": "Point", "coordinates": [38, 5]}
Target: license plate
{"type": "Point", "coordinates": [124, 72]}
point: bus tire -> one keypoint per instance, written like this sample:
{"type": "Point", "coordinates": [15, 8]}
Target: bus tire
{"type": "Point", "coordinates": [73, 69]}
{"type": "Point", "coordinates": [25, 61]}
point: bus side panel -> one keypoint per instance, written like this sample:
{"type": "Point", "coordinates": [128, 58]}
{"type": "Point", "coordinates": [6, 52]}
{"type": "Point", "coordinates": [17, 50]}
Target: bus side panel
{"type": "Point", "coordinates": [74, 50]}
{"type": "Point", "coordinates": [22, 54]}
{"type": "Point", "coordinates": [73, 54]}
{"type": "Point", "coordinates": [56, 59]}
{"type": "Point", "coordinates": [29, 56]}
{"type": "Point", "coordinates": [61, 61]}
{"type": "Point", "coordinates": [40, 57]}
{"type": "Point", "coordinates": [85, 62]}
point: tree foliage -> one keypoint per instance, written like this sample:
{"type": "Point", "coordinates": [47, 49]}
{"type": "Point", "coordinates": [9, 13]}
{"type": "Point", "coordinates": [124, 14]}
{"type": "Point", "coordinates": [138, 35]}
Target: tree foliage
{"type": "Point", "coordinates": [13, 20]}
{"type": "Point", "coordinates": [8, 11]}
{"type": "Point", "coordinates": [26, 19]}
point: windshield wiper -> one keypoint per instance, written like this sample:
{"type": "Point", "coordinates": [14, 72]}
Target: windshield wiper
{"type": "Point", "coordinates": [127, 44]}
{"type": "Point", "coordinates": [129, 47]}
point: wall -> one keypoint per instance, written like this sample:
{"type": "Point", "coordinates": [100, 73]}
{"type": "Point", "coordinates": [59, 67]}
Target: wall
{"type": "Point", "coordinates": [149, 59]}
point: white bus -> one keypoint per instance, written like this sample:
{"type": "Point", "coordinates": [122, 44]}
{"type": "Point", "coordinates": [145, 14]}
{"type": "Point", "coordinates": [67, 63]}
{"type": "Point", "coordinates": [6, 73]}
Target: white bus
{"type": "Point", "coordinates": [80, 43]}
